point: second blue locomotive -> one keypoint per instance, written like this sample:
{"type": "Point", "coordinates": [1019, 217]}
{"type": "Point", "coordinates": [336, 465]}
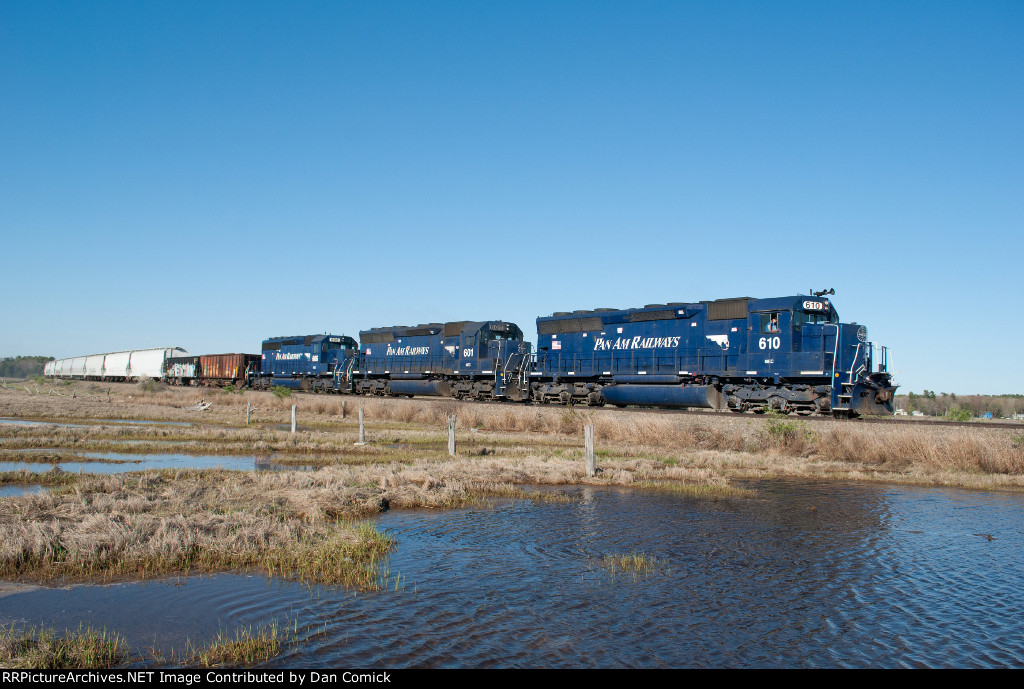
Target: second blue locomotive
{"type": "Point", "coordinates": [461, 359]}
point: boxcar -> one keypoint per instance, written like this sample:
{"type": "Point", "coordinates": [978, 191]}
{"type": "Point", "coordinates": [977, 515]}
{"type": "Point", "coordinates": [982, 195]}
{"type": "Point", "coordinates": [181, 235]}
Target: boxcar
{"type": "Point", "coordinates": [182, 370]}
{"type": "Point", "coordinates": [219, 369]}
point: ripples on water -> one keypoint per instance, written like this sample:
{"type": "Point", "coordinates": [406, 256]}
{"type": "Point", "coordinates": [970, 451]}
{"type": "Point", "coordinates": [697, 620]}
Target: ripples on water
{"type": "Point", "coordinates": [803, 575]}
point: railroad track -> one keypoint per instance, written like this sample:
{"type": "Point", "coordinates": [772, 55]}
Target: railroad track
{"type": "Point", "coordinates": [727, 414]}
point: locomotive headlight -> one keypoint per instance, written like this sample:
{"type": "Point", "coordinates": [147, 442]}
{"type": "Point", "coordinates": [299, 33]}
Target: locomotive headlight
{"type": "Point", "coordinates": [862, 333]}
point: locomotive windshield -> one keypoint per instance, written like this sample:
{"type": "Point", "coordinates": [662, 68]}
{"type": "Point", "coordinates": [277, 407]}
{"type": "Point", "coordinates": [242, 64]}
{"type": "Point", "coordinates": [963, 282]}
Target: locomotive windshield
{"type": "Point", "coordinates": [510, 332]}
{"type": "Point", "coordinates": [815, 317]}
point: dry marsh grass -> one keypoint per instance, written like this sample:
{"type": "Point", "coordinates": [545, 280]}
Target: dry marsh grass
{"type": "Point", "coordinates": [303, 525]}
{"type": "Point", "coordinates": [297, 525]}
{"type": "Point", "coordinates": [157, 523]}
{"type": "Point", "coordinates": [739, 445]}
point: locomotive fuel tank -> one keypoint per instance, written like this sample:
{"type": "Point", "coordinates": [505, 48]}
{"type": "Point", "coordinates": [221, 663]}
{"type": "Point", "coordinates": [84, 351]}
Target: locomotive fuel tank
{"type": "Point", "coordinates": [697, 396]}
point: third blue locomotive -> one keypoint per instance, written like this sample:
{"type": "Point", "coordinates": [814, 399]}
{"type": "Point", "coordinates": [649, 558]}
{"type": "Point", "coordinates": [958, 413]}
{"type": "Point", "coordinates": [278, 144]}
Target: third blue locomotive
{"type": "Point", "coordinates": [461, 359]}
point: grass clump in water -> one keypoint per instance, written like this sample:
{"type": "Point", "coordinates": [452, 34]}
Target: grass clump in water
{"type": "Point", "coordinates": [631, 563]}
{"type": "Point", "coordinates": [697, 490]}
{"type": "Point", "coordinates": [42, 649]}
{"type": "Point", "coordinates": [44, 478]}
{"type": "Point", "coordinates": [245, 649]}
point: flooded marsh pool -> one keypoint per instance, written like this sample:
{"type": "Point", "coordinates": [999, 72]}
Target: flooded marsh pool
{"type": "Point", "coordinates": [14, 490]}
{"type": "Point", "coordinates": [803, 574]}
{"type": "Point", "coordinates": [92, 422]}
{"type": "Point", "coordinates": [121, 462]}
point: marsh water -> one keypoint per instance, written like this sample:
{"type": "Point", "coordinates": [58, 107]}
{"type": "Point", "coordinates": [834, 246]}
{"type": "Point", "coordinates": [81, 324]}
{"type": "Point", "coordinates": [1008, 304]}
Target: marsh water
{"type": "Point", "coordinates": [802, 574]}
{"type": "Point", "coordinates": [121, 462]}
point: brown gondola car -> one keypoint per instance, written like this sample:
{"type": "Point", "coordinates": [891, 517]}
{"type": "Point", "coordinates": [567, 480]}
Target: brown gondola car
{"type": "Point", "coordinates": [223, 369]}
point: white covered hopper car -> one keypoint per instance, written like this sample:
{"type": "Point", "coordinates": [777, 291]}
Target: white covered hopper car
{"type": "Point", "coordinates": [115, 366]}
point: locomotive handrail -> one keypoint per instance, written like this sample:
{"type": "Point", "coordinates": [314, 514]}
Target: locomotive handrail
{"type": "Point", "coordinates": [835, 354]}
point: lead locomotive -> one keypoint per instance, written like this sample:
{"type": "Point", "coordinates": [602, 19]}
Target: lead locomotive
{"type": "Point", "coordinates": [789, 354]}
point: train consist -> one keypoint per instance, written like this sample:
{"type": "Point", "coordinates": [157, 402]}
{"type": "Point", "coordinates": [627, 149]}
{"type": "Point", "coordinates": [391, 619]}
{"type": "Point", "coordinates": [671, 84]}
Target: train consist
{"type": "Point", "coordinates": [788, 354]}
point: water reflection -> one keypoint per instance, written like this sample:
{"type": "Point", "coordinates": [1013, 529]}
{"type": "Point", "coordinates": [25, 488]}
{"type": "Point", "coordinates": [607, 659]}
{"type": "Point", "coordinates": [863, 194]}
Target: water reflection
{"type": "Point", "coordinates": [803, 575]}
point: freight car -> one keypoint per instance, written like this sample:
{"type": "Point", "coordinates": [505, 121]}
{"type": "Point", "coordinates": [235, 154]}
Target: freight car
{"type": "Point", "coordinates": [212, 369]}
{"type": "Point", "coordinates": [129, 365]}
{"type": "Point", "coordinates": [460, 359]}
{"type": "Point", "coordinates": [789, 354]}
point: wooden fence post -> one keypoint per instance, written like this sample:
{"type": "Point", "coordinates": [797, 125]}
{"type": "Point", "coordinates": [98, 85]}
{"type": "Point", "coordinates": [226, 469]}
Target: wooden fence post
{"type": "Point", "coordinates": [248, 405]}
{"type": "Point", "coordinates": [451, 435]}
{"type": "Point", "coordinates": [588, 445]}
{"type": "Point", "coordinates": [293, 418]}
{"type": "Point", "coordinates": [343, 409]}
{"type": "Point", "coordinates": [362, 429]}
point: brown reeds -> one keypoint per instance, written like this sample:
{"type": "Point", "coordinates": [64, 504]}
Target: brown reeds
{"type": "Point", "coordinates": [406, 430]}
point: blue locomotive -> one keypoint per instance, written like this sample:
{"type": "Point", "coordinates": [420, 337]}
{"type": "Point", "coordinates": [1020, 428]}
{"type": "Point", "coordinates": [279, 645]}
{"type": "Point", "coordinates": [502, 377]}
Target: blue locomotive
{"type": "Point", "coordinates": [304, 362]}
{"type": "Point", "coordinates": [789, 354]}
{"type": "Point", "coordinates": [461, 359]}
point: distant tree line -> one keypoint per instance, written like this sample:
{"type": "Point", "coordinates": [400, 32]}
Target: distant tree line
{"type": "Point", "coordinates": [931, 403]}
{"type": "Point", "coordinates": [23, 366]}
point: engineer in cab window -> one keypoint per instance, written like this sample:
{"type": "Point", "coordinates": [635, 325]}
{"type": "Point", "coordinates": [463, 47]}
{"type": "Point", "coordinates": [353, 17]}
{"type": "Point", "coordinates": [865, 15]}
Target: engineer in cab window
{"type": "Point", "coordinates": [773, 324]}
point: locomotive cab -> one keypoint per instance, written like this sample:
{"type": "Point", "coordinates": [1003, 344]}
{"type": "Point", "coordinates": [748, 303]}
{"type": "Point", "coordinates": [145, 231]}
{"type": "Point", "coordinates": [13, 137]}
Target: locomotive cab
{"type": "Point", "coordinates": [492, 351]}
{"type": "Point", "coordinates": [800, 357]}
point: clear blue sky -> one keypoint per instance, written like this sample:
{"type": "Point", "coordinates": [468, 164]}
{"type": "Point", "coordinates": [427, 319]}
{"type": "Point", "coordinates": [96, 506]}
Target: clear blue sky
{"type": "Point", "coordinates": [207, 174]}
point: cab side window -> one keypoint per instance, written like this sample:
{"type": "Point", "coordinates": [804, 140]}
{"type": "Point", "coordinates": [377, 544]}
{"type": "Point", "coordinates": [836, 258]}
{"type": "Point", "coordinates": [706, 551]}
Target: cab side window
{"type": "Point", "coordinates": [770, 322]}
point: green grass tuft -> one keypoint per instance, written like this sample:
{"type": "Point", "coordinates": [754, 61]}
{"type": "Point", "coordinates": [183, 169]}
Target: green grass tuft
{"type": "Point", "coordinates": [245, 649]}
{"type": "Point", "coordinates": [631, 563]}
{"type": "Point", "coordinates": [41, 649]}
